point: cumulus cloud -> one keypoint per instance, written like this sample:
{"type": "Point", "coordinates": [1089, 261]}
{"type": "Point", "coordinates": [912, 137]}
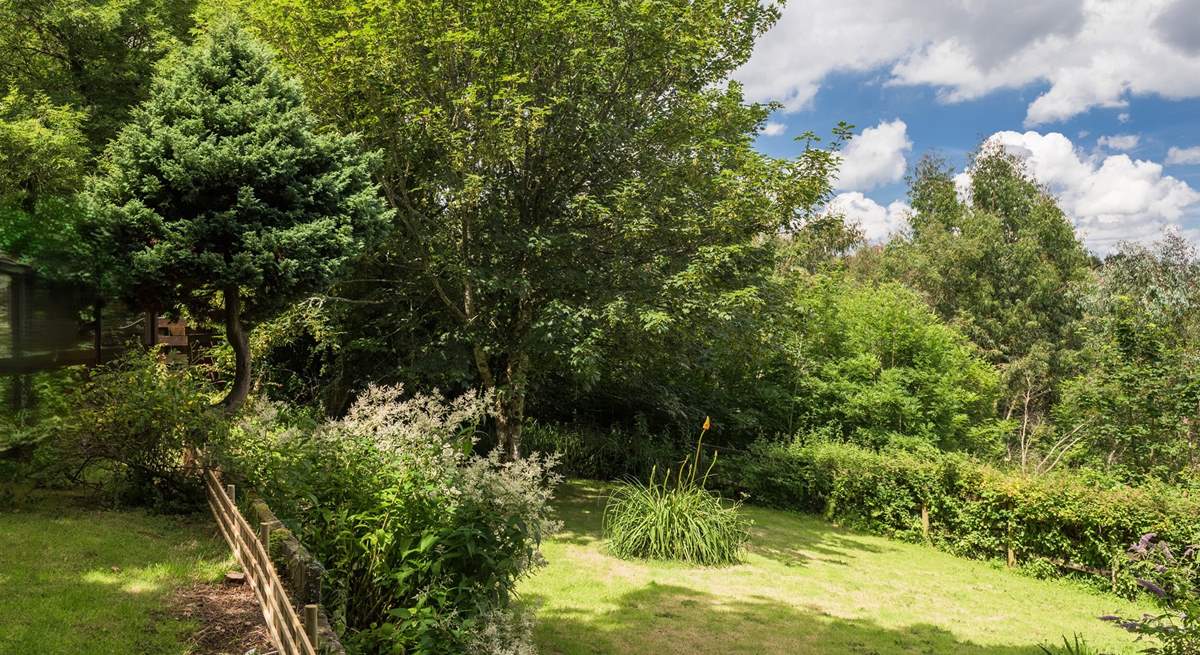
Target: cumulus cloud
{"type": "Point", "coordinates": [774, 129]}
{"type": "Point", "coordinates": [1183, 155]}
{"type": "Point", "coordinates": [875, 157]}
{"type": "Point", "coordinates": [1118, 141]}
{"type": "Point", "coordinates": [1109, 198]}
{"type": "Point", "coordinates": [1090, 53]}
{"type": "Point", "coordinates": [876, 221]}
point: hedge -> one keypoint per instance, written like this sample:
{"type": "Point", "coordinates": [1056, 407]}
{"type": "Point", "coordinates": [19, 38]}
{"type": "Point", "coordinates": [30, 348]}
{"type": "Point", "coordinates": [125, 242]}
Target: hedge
{"type": "Point", "coordinates": [1075, 519]}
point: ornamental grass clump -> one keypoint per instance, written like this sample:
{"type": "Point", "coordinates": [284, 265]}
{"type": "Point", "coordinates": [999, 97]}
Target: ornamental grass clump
{"type": "Point", "coordinates": [676, 519]}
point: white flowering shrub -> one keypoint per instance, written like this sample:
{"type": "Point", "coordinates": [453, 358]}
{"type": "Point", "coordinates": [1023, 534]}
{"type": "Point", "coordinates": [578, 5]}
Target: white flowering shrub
{"type": "Point", "coordinates": [422, 539]}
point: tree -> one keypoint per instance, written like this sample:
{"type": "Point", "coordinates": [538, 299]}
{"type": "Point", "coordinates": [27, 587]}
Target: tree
{"type": "Point", "coordinates": [557, 168]}
{"type": "Point", "coordinates": [1135, 405]}
{"type": "Point", "coordinates": [880, 366]}
{"type": "Point", "coordinates": [1004, 265]}
{"type": "Point", "coordinates": [42, 151]}
{"type": "Point", "coordinates": [224, 185]}
{"type": "Point", "coordinates": [96, 57]}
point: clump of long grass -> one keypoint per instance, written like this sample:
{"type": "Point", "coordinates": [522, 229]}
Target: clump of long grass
{"type": "Point", "coordinates": [676, 519]}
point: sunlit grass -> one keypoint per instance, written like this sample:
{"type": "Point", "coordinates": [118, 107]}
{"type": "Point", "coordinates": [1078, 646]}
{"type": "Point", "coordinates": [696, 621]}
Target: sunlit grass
{"type": "Point", "coordinates": [805, 587]}
{"type": "Point", "coordinates": [82, 580]}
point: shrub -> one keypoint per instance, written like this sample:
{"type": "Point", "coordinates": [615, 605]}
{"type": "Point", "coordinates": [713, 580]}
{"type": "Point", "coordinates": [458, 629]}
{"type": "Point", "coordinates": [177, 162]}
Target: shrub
{"type": "Point", "coordinates": [1174, 579]}
{"type": "Point", "coordinates": [974, 509]}
{"type": "Point", "coordinates": [423, 541]}
{"type": "Point", "coordinates": [877, 365]}
{"type": "Point", "coordinates": [590, 453]}
{"type": "Point", "coordinates": [124, 427]}
{"type": "Point", "coordinates": [682, 521]}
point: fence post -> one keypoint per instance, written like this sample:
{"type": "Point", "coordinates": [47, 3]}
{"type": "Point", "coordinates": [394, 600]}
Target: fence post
{"type": "Point", "coordinates": [265, 535]}
{"type": "Point", "coordinates": [229, 491]}
{"type": "Point", "coordinates": [310, 624]}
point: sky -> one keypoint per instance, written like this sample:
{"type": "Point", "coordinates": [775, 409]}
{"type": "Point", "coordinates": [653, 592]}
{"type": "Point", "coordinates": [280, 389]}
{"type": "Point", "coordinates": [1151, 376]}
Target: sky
{"type": "Point", "coordinates": [1100, 97]}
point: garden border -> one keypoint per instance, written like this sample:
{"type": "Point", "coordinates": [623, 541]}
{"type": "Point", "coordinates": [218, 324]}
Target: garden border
{"type": "Point", "coordinates": [290, 634]}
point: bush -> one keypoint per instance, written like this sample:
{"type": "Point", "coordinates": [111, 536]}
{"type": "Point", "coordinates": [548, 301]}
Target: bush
{"type": "Point", "coordinates": [1174, 579]}
{"type": "Point", "coordinates": [124, 427]}
{"type": "Point", "coordinates": [974, 509]}
{"type": "Point", "coordinates": [423, 542]}
{"type": "Point", "coordinates": [681, 521]}
{"type": "Point", "coordinates": [614, 454]}
{"type": "Point", "coordinates": [878, 366]}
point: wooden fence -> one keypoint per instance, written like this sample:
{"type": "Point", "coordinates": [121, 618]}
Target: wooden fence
{"type": "Point", "coordinates": [292, 636]}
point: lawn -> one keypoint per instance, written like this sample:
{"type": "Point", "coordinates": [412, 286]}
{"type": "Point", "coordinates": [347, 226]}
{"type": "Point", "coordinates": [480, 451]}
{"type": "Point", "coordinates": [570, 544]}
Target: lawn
{"type": "Point", "coordinates": [78, 579]}
{"type": "Point", "coordinates": [806, 587]}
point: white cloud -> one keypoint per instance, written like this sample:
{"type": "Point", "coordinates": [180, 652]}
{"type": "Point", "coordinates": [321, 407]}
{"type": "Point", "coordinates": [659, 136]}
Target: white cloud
{"type": "Point", "coordinates": [774, 129]}
{"type": "Point", "coordinates": [1109, 198]}
{"type": "Point", "coordinates": [1119, 141]}
{"type": "Point", "coordinates": [875, 157]}
{"type": "Point", "coordinates": [877, 222]}
{"type": "Point", "coordinates": [1183, 155]}
{"type": "Point", "coordinates": [1123, 117]}
{"type": "Point", "coordinates": [1090, 53]}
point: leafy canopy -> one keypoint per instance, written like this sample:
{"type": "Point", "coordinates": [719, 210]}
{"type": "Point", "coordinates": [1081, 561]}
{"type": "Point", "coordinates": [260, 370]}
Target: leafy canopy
{"type": "Point", "coordinates": [224, 180]}
{"type": "Point", "coordinates": [558, 168]}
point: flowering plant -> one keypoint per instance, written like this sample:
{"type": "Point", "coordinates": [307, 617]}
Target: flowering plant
{"type": "Point", "coordinates": [1174, 580]}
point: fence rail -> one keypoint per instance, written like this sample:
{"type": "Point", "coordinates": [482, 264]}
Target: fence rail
{"type": "Point", "coordinates": [291, 635]}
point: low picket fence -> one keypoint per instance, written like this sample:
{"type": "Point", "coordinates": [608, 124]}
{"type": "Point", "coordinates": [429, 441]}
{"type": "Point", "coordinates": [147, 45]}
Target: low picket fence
{"type": "Point", "coordinates": [292, 634]}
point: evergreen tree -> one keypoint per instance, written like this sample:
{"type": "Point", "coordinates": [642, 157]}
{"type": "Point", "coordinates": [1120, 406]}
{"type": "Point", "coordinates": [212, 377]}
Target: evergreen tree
{"type": "Point", "coordinates": [223, 186]}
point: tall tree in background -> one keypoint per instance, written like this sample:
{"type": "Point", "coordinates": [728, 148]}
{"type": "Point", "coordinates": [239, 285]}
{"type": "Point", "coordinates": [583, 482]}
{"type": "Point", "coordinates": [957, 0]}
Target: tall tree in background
{"type": "Point", "coordinates": [97, 57]}
{"type": "Point", "coordinates": [223, 185]}
{"type": "Point", "coordinates": [42, 155]}
{"type": "Point", "coordinates": [1136, 404]}
{"type": "Point", "coordinates": [555, 167]}
{"type": "Point", "coordinates": [1003, 264]}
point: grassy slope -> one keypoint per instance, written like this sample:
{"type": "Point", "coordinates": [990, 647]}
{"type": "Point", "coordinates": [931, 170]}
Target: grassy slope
{"type": "Point", "coordinates": [81, 581]}
{"type": "Point", "coordinates": [806, 587]}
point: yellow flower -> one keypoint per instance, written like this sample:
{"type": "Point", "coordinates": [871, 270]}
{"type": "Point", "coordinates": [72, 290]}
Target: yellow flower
{"type": "Point", "coordinates": [707, 423]}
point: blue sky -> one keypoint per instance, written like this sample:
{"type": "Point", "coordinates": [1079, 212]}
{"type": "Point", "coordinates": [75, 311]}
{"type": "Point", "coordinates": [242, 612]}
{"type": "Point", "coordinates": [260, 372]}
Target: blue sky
{"type": "Point", "coordinates": [1095, 94]}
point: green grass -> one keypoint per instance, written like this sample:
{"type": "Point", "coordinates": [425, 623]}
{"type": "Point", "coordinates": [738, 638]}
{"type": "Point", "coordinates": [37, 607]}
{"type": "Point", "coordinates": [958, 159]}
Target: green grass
{"type": "Point", "coordinates": [81, 580]}
{"type": "Point", "coordinates": [805, 587]}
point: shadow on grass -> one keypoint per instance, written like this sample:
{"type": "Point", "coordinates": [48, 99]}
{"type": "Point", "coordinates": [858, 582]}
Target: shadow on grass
{"type": "Point", "coordinates": [664, 619]}
{"type": "Point", "coordinates": [790, 539]}
{"type": "Point", "coordinates": [83, 581]}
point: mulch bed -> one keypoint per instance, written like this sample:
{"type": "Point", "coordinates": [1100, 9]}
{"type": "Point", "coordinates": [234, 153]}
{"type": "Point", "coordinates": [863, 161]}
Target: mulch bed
{"type": "Point", "coordinates": [230, 622]}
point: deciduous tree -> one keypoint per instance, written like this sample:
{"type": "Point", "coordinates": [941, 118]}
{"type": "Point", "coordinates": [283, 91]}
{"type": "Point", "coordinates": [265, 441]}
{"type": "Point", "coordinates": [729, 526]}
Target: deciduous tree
{"type": "Point", "coordinates": [556, 167]}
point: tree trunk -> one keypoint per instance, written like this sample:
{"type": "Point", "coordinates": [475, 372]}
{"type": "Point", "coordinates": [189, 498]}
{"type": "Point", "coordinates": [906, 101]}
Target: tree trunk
{"type": "Point", "coordinates": [508, 407]}
{"type": "Point", "coordinates": [240, 342]}
{"type": "Point", "coordinates": [510, 416]}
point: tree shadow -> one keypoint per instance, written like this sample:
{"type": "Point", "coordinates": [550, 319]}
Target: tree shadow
{"type": "Point", "coordinates": [665, 619]}
{"type": "Point", "coordinates": [79, 579]}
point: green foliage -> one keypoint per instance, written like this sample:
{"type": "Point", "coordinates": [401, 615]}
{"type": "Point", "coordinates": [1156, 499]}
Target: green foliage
{"type": "Point", "coordinates": [96, 57]}
{"type": "Point", "coordinates": [594, 454]}
{"type": "Point", "coordinates": [124, 426]}
{"type": "Point", "coordinates": [422, 541]}
{"type": "Point", "coordinates": [42, 155]}
{"type": "Point", "coordinates": [874, 365]}
{"type": "Point", "coordinates": [223, 179]}
{"type": "Point", "coordinates": [545, 207]}
{"type": "Point", "coordinates": [1135, 407]}
{"type": "Point", "coordinates": [678, 520]}
{"type": "Point", "coordinates": [974, 509]}
{"type": "Point", "coordinates": [1003, 265]}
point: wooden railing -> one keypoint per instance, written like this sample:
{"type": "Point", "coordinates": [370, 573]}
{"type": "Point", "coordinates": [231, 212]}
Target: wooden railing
{"type": "Point", "coordinates": [291, 635]}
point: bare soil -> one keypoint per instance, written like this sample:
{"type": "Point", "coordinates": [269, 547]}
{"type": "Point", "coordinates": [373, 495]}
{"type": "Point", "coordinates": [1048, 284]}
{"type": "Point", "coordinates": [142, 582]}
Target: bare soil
{"type": "Point", "coordinates": [229, 618]}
